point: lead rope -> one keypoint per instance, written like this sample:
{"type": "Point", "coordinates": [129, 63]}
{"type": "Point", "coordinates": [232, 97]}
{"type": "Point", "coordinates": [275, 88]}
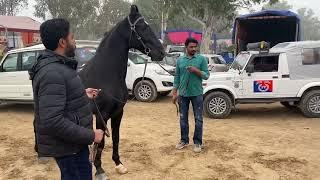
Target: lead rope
{"type": "Point", "coordinates": [94, 147]}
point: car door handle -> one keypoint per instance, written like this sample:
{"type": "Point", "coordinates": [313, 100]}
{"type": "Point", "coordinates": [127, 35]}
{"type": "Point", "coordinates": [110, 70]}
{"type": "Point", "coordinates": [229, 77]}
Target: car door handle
{"type": "Point", "coordinates": [275, 77]}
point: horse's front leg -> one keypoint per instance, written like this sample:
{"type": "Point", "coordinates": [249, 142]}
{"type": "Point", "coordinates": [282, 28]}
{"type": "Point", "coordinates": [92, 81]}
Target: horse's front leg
{"type": "Point", "coordinates": [115, 126]}
{"type": "Point", "coordinates": [100, 174]}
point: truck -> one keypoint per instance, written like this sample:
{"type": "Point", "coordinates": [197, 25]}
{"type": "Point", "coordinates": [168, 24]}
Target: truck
{"type": "Point", "coordinates": [287, 73]}
{"type": "Point", "coordinates": [272, 26]}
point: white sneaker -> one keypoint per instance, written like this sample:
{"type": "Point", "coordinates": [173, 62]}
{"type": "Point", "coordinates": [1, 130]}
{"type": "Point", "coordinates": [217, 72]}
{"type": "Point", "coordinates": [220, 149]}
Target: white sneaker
{"type": "Point", "coordinates": [181, 145]}
{"type": "Point", "coordinates": [197, 148]}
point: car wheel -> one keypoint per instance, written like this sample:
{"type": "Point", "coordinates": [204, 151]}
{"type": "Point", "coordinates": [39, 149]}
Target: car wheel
{"type": "Point", "coordinates": [217, 105]}
{"type": "Point", "coordinates": [145, 91]}
{"type": "Point", "coordinates": [310, 104]}
{"type": "Point", "coordinates": [288, 105]}
{"type": "Point", "coordinates": [165, 93]}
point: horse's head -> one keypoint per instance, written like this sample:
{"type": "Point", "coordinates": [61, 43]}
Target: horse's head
{"type": "Point", "coordinates": [142, 37]}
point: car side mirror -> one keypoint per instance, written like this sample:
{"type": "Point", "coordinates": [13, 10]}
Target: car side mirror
{"type": "Point", "coordinates": [1, 69]}
{"type": "Point", "coordinates": [250, 69]}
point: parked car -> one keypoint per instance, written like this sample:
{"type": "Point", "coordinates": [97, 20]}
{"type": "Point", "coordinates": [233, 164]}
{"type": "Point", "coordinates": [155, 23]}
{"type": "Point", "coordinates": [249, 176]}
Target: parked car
{"type": "Point", "coordinates": [175, 48]}
{"type": "Point", "coordinates": [287, 73]}
{"type": "Point", "coordinates": [216, 63]}
{"type": "Point", "coordinates": [157, 80]}
{"type": "Point", "coordinates": [171, 59]}
{"type": "Point", "coordinates": [227, 56]}
{"type": "Point", "coordinates": [16, 87]}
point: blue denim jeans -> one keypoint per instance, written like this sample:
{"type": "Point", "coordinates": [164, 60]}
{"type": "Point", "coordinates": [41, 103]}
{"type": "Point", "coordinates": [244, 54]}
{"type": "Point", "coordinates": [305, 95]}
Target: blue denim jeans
{"type": "Point", "coordinates": [75, 167]}
{"type": "Point", "coordinates": [197, 105]}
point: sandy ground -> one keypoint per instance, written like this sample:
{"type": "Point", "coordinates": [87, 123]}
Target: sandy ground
{"type": "Point", "coordinates": [256, 142]}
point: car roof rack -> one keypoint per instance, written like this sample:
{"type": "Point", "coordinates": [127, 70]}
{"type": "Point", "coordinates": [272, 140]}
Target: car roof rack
{"type": "Point", "coordinates": [262, 47]}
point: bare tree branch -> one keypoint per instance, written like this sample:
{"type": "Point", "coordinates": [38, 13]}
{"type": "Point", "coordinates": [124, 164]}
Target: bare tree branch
{"type": "Point", "coordinates": [192, 17]}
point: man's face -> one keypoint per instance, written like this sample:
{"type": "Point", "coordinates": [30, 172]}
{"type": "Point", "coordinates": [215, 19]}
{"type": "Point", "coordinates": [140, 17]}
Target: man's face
{"type": "Point", "coordinates": [192, 48]}
{"type": "Point", "coordinates": [69, 45]}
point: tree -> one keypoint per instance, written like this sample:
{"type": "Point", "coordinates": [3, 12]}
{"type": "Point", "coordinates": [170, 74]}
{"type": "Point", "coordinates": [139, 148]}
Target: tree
{"type": "Point", "coordinates": [89, 19]}
{"type": "Point", "coordinates": [110, 13]}
{"type": "Point", "coordinates": [11, 7]}
{"type": "Point", "coordinates": [310, 24]}
{"type": "Point", "coordinates": [213, 15]}
{"type": "Point", "coordinates": [156, 12]}
{"type": "Point", "coordinates": [281, 5]}
{"type": "Point", "coordinates": [80, 13]}
{"type": "Point", "coordinates": [163, 15]}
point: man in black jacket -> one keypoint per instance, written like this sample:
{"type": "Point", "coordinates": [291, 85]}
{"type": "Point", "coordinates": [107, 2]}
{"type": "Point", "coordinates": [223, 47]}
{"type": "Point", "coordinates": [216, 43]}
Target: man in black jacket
{"type": "Point", "coordinates": [63, 117]}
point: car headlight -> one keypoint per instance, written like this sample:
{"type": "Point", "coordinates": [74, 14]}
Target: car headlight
{"type": "Point", "coordinates": [161, 72]}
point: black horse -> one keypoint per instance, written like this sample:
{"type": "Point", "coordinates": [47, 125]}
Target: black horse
{"type": "Point", "coordinates": [107, 71]}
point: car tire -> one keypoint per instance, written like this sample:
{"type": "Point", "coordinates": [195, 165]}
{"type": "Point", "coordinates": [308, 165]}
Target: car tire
{"type": "Point", "coordinates": [145, 91]}
{"type": "Point", "coordinates": [288, 105]}
{"type": "Point", "coordinates": [217, 105]}
{"type": "Point", "coordinates": [166, 93]}
{"type": "Point", "coordinates": [310, 104]}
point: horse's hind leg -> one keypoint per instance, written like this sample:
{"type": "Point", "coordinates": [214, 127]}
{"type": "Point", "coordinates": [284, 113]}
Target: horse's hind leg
{"type": "Point", "coordinates": [97, 162]}
{"type": "Point", "coordinates": [115, 125]}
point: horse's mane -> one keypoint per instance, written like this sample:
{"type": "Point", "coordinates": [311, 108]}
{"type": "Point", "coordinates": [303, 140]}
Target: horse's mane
{"type": "Point", "coordinates": [107, 34]}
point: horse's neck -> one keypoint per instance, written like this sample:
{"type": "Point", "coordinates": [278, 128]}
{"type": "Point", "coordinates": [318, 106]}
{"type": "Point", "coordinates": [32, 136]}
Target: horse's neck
{"type": "Point", "coordinates": [112, 57]}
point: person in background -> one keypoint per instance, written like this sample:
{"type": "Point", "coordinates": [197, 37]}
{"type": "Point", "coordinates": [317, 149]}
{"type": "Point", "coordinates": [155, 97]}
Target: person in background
{"type": "Point", "coordinates": [191, 69]}
{"type": "Point", "coordinates": [63, 116]}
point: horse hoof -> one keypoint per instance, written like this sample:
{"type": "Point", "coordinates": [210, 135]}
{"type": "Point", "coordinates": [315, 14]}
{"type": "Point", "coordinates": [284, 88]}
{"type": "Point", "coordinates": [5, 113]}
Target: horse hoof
{"type": "Point", "coordinates": [121, 169]}
{"type": "Point", "coordinates": [102, 176]}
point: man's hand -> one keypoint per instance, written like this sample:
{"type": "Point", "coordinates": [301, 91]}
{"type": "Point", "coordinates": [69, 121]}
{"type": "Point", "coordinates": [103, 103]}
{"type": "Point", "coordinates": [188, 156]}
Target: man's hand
{"type": "Point", "coordinates": [194, 70]}
{"type": "Point", "coordinates": [174, 96]}
{"type": "Point", "coordinates": [92, 93]}
{"type": "Point", "coordinates": [98, 135]}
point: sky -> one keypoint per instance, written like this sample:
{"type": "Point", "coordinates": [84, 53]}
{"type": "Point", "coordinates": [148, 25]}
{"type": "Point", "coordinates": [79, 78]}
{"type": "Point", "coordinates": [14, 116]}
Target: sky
{"type": "Point", "coordinates": [313, 4]}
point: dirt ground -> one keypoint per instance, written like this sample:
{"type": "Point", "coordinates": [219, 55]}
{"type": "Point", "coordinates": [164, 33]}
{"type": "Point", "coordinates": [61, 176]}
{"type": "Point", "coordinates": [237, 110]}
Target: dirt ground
{"type": "Point", "coordinates": [256, 142]}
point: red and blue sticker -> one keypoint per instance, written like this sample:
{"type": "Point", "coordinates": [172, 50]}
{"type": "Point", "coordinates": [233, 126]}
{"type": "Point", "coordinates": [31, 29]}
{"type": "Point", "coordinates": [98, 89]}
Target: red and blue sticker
{"type": "Point", "coordinates": [263, 86]}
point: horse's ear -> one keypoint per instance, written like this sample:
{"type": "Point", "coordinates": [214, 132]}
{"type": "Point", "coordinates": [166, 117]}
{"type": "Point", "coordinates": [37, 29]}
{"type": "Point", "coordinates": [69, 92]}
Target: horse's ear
{"type": "Point", "coordinates": [134, 10]}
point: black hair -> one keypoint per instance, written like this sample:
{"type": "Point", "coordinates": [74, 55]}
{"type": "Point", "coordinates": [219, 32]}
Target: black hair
{"type": "Point", "coordinates": [51, 31]}
{"type": "Point", "coordinates": [190, 40]}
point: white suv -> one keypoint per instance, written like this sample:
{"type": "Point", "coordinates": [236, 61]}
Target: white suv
{"type": "Point", "coordinates": [287, 73]}
{"type": "Point", "coordinates": [16, 87]}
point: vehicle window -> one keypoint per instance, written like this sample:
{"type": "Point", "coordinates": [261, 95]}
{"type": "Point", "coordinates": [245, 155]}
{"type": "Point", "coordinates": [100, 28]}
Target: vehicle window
{"type": "Point", "coordinates": [311, 56]}
{"type": "Point", "coordinates": [137, 58]}
{"type": "Point", "coordinates": [216, 60]}
{"type": "Point", "coordinates": [171, 60]}
{"type": "Point", "coordinates": [266, 64]}
{"type": "Point", "coordinates": [176, 49]}
{"type": "Point", "coordinates": [84, 54]}
{"type": "Point", "coordinates": [28, 60]}
{"type": "Point", "coordinates": [222, 60]}
{"type": "Point", "coordinates": [10, 64]}
{"type": "Point", "coordinates": [240, 61]}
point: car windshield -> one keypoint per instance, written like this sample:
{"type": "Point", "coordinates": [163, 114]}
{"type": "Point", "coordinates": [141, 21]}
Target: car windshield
{"type": "Point", "coordinates": [240, 61]}
{"type": "Point", "coordinates": [171, 60]}
{"type": "Point", "coordinates": [85, 54]}
{"type": "Point", "coordinates": [138, 58]}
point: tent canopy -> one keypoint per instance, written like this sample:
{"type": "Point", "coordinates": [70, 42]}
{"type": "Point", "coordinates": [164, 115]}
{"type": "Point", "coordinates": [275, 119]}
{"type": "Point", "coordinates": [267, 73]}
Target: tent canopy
{"type": "Point", "coordinates": [273, 26]}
